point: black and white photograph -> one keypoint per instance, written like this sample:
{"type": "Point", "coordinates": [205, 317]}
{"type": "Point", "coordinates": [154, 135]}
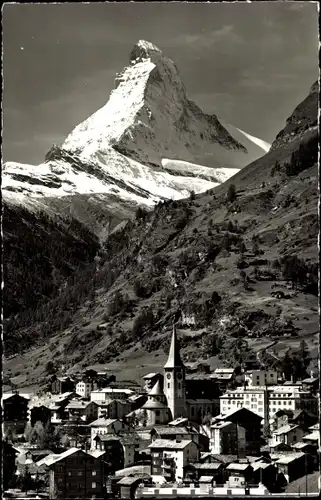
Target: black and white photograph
{"type": "Point", "coordinates": [160, 250]}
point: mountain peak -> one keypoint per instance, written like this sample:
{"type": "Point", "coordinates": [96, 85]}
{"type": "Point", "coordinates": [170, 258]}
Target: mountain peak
{"type": "Point", "coordinates": [144, 50]}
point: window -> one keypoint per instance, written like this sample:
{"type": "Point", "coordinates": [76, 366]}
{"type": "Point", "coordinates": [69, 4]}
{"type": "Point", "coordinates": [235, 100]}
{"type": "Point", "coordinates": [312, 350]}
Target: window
{"type": "Point", "coordinates": [168, 386]}
{"type": "Point", "coordinates": [69, 473]}
{"type": "Point", "coordinates": [94, 473]}
{"type": "Point", "coordinates": [179, 385]}
{"type": "Point", "coordinates": [93, 485]}
{"type": "Point", "coordinates": [59, 480]}
{"type": "Point", "coordinates": [79, 473]}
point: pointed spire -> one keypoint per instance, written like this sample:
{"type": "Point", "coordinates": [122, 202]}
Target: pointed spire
{"type": "Point", "coordinates": [156, 390]}
{"type": "Point", "coordinates": [174, 358]}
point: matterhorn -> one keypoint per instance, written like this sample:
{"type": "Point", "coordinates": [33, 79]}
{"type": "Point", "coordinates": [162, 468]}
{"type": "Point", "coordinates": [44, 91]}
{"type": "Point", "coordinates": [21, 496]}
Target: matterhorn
{"type": "Point", "coordinates": [148, 143]}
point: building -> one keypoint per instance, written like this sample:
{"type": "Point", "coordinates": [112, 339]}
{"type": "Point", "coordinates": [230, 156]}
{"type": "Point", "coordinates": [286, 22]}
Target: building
{"type": "Point", "coordinates": [121, 449]}
{"type": "Point", "coordinates": [236, 433]}
{"type": "Point", "coordinates": [214, 470]}
{"type": "Point", "coordinates": [224, 377]}
{"type": "Point", "coordinates": [107, 426]}
{"type": "Point", "coordinates": [85, 411]}
{"type": "Point", "coordinates": [75, 474]}
{"type": "Point", "coordinates": [174, 381]}
{"type": "Point", "coordinates": [239, 475]}
{"type": "Point", "coordinates": [287, 434]}
{"type": "Point", "coordinates": [293, 465]}
{"type": "Point", "coordinates": [85, 386]}
{"type": "Point", "coordinates": [264, 472]}
{"type": "Point", "coordinates": [150, 380]}
{"type": "Point", "coordinates": [260, 378]}
{"type": "Point", "coordinates": [60, 385]}
{"type": "Point", "coordinates": [267, 400]}
{"type": "Point", "coordinates": [156, 408]}
{"type": "Point", "coordinates": [298, 417]}
{"type": "Point", "coordinates": [128, 485]}
{"type": "Point", "coordinates": [9, 454]}
{"type": "Point", "coordinates": [109, 393]}
{"type": "Point", "coordinates": [15, 411]}
{"type": "Point", "coordinates": [169, 458]}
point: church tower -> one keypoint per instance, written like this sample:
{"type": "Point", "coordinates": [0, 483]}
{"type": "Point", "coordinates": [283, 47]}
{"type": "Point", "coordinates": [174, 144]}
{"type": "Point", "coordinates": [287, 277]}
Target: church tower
{"type": "Point", "coordinates": [174, 380]}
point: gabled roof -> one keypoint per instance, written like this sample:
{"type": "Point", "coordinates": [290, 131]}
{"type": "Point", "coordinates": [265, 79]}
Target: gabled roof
{"type": "Point", "coordinates": [12, 394]}
{"type": "Point", "coordinates": [285, 429]}
{"type": "Point", "coordinates": [163, 430]}
{"type": "Point", "coordinates": [314, 436]}
{"type": "Point", "coordinates": [232, 415]}
{"type": "Point", "coordinates": [174, 358]}
{"type": "Point", "coordinates": [286, 459]}
{"type": "Point", "coordinates": [154, 405]}
{"type": "Point", "coordinates": [241, 467]}
{"type": "Point", "coordinates": [169, 444]}
{"type": "Point", "coordinates": [103, 422]}
{"type": "Point", "coordinates": [52, 459]}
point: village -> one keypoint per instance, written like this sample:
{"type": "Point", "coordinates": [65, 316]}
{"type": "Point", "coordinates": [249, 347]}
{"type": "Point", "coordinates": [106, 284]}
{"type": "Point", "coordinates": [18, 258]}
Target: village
{"type": "Point", "coordinates": [92, 436]}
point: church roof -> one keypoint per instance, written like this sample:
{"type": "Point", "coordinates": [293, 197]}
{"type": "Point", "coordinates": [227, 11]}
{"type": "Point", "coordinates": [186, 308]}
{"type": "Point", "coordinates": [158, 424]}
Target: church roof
{"type": "Point", "coordinates": [154, 405]}
{"type": "Point", "coordinates": [174, 358]}
{"type": "Point", "coordinates": [156, 390]}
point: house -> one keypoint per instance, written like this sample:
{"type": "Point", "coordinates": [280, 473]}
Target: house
{"type": "Point", "coordinates": [302, 418]}
{"type": "Point", "coordinates": [40, 414]}
{"type": "Point", "coordinates": [169, 458]}
{"type": "Point", "coordinates": [128, 485]}
{"type": "Point", "coordinates": [150, 380]}
{"type": "Point", "coordinates": [224, 377]}
{"type": "Point", "coordinates": [107, 409]}
{"type": "Point", "coordinates": [239, 475]}
{"type": "Point", "coordinates": [237, 432]}
{"type": "Point", "coordinates": [117, 456]}
{"type": "Point", "coordinates": [214, 470]}
{"type": "Point", "coordinates": [15, 411]}
{"type": "Point", "coordinates": [180, 433]}
{"type": "Point", "coordinates": [137, 401]}
{"type": "Point", "coordinates": [287, 434]}
{"type": "Point", "coordinates": [293, 465]}
{"type": "Point", "coordinates": [107, 426]}
{"type": "Point", "coordinates": [85, 386]}
{"type": "Point", "coordinates": [311, 384]}
{"type": "Point", "coordinates": [264, 472]}
{"type": "Point", "coordinates": [60, 385]}
{"type": "Point", "coordinates": [110, 393]}
{"type": "Point", "coordinates": [75, 474]}
{"type": "Point", "coordinates": [9, 454]}
{"type": "Point", "coordinates": [82, 410]}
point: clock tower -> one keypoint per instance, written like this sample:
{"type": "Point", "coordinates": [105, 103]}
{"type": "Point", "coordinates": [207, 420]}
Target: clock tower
{"type": "Point", "coordinates": [174, 380]}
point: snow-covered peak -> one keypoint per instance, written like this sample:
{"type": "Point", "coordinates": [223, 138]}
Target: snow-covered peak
{"type": "Point", "coordinates": [144, 50]}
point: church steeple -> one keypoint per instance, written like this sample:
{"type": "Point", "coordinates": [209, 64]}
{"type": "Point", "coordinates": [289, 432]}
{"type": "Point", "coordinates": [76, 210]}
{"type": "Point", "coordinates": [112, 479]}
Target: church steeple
{"type": "Point", "coordinates": [174, 380]}
{"type": "Point", "coordinates": [174, 357]}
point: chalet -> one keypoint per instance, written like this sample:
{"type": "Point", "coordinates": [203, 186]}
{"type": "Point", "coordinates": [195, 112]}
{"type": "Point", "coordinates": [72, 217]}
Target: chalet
{"type": "Point", "coordinates": [238, 432]}
{"type": "Point", "coordinates": [107, 426]}
{"type": "Point", "coordinates": [169, 458]}
{"type": "Point", "coordinates": [128, 485]}
{"type": "Point", "coordinates": [287, 434]}
{"type": "Point", "coordinates": [75, 474]}
{"type": "Point", "coordinates": [224, 377]}
{"type": "Point", "coordinates": [113, 451]}
{"type": "Point", "coordinates": [215, 470]}
{"type": "Point", "coordinates": [82, 410]}
{"type": "Point", "coordinates": [15, 411]}
{"type": "Point", "coordinates": [293, 465]}
{"type": "Point", "coordinates": [129, 443]}
{"type": "Point", "coordinates": [264, 472]}
{"type": "Point", "coordinates": [239, 475]}
{"type": "Point", "coordinates": [60, 385]}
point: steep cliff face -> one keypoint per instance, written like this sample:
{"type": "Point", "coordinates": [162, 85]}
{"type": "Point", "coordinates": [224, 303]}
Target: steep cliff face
{"type": "Point", "coordinates": [148, 143]}
{"type": "Point", "coordinates": [303, 119]}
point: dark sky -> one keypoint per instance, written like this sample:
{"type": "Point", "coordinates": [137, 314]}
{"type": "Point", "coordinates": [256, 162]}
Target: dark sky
{"type": "Point", "coordinates": [249, 63]}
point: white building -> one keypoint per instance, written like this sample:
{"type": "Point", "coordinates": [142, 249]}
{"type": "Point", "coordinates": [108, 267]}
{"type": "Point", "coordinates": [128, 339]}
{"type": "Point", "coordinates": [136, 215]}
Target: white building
{"type": "Point", "coordinates": [109, 394]}
{"type": "Point", "coordinates": [169, 457]}
{"type": "Point", "coordinates": [107, 426]}
{"type": "Point", "coordinates": [84, 388]}
{"type": "Point", "coordinates": [266, 400]}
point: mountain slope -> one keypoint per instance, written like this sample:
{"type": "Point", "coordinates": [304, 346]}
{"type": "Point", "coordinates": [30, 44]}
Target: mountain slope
{"type": "Point", "coordinates": [211, 263]}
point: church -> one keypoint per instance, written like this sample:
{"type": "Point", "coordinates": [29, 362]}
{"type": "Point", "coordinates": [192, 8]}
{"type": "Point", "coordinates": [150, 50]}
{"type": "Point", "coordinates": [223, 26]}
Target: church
{"type": "Point", "coordinates": [177, 396]}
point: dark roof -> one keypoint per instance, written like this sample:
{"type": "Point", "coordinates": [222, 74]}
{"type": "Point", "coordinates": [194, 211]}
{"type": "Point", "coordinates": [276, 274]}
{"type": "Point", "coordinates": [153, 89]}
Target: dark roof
{"type": "Point", "coordinates": [224, 459]}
